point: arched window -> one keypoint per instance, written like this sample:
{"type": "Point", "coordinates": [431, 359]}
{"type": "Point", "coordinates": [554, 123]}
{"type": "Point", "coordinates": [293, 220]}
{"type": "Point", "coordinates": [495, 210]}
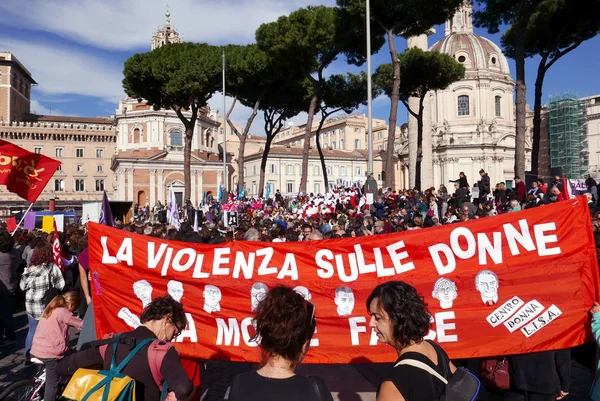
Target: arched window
{"type": "Point", "coordinates": [497, 104]}
{"type": "Point", "coordinates": [357, 144]}
{"type": "Point", "coordinates": [136, 135]}
{"type": "Point", "coordinates": [383, 175]}
{"type": "Point", "coordinates": [463, 105]}
{"type": "Point", "coordinates": [176, 138]}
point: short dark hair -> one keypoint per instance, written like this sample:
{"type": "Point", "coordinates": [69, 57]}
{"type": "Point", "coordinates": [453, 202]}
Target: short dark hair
{"type": "Point", "coordinates": [164, 306]}
{"type": "Point", "coordinates": [407, 310]}
{"type": "Point", "coordinates": [6, 241]}
{"type": "Point", "coordinates": [517, 177]}
{"type": "Point", "coordinates": [284, 324]}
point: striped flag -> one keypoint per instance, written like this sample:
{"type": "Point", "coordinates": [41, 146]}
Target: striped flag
{"type": "Point", "coordinates": [56, 251]}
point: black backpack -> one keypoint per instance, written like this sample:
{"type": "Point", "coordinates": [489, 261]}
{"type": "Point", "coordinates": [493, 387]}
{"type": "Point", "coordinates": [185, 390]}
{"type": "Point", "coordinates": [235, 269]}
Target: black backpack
{"type": "Point", "coordinates": [461, 385]}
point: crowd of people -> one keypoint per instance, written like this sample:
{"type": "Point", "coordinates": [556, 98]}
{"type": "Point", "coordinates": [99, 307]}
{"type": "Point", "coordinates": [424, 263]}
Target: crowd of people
{"type": "Point", "coordinates": [29, 275]}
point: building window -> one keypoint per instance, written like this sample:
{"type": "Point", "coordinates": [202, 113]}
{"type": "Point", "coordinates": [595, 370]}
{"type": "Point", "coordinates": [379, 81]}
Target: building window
{"type": "Point", "coordinates": [80, 168]}
{"type": "Point", "coordinates": [290, 169]}
{"type": "Point", "coordinates": [356, 129]}
{"type": "Point", "coordinates": [37, 150]}
{"type": "Point", "coordinates": [58, 152]}
{"type": "Point", "coordinates": [79, 153]}
{"type": "Point", "coordinates": [357, 144]}
{"type": "Point", "coordinates": [273, 169]}
{"type": "Point", "coordinates": [334, 145]}
{"type": "Point", "coordinates": [176, 138]}
{"type": "Point", "coordinates": [59, 169]}
{"type": "Point", "coordinates": [290, 187]}
{"type": "Point", "coordinates": [99, 185]}
{"type": "Point", "coordinates": [317, 187]}
{"type": "Point", "coordinates": [358, 171]}
{"type": "Point", "coordinates": [254, 170]}
{"type": "Point", "coordinates": [342, 170]}
{"type": "Point", "coordinates": [497, 103]}
{"type": "Point", "coordinates": [316, 170]}
{"type": "Point", "coordinates": [79, 185]}
{"type": "Point", "coordinates": [463, 105]}
{"type": "Point", "coordinates": [342, 145]}
{"type": "Point", "coordinates": [329, 170]}
{"type": "Point", "coordinates": [379, 148]}
{"type": "Point", "coordinates": [245, 171]}
{"type": "Point", "coordinates": [59, 185]}
{"type": "Point", "coordinates": [99, 153]}
{"type": "Point", "coordinates": [379, 135]}
{"type": "Point", "coordinates": [100, 168]}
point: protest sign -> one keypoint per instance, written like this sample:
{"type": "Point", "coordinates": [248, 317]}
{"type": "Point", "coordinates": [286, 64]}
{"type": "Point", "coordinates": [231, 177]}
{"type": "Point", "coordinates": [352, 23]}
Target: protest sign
{"type": "Point", "coordinates": [516, 283]}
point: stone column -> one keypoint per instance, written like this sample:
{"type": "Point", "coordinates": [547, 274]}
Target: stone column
{"type": "Point", "coordinates": [200, 186]}
{"type": "Point", "coordinates": [121, 182]}
{"type": "Point", "coordinates": [219, 180]}
{"type": "Point", "coordinates": [152, 187]}
{"type": "Point", "coordinates": [193, 189]}
{"type": "Point", "coordinates": [161, 187]}
{"type": "Point", "coordinates": [130, 185]}
{"type": "Point", "coordinates": [427, 180]}
{"type": "Point", "coordinates": [413, 103]}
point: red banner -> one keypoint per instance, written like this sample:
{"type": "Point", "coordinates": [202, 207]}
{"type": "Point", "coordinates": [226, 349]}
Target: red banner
{"type": "Point", "coordinates": [515, 283]}
{"type": "Point", "coordinates": [23, 172]}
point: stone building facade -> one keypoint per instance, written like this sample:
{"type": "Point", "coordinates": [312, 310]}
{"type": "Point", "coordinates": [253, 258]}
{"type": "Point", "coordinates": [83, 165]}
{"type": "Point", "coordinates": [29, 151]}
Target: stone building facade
{"type": "Point", "coordinates": [15, 88]}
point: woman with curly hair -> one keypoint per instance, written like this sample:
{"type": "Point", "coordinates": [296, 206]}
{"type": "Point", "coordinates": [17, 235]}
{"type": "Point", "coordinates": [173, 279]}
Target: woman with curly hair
{"type": "Point", "coordinates": [285, 323]}
{"type": "Point", "coordinates": [400, 319]}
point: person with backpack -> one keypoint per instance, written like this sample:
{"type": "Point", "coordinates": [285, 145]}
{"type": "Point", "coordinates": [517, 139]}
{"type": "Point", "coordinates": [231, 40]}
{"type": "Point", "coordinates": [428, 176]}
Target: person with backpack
{"type": "Point", "coordinates": [285, 324]}
{"type": "Point", "coordinates": [41, 282]}
{"type": "Point", "coordinates": [51, 339]}
{"type": "Point", "coordinates": [423, 371]}
{"type": "Point", "coordinates": [147, 354]}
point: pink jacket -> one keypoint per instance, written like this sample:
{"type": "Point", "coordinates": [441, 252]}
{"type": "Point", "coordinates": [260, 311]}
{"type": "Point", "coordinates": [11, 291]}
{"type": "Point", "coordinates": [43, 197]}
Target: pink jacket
{"type": "Point", "coordinates": [51, 339]}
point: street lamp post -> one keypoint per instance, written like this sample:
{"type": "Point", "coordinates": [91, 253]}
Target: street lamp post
{"type": "Point", "coordinates": [370, 184]}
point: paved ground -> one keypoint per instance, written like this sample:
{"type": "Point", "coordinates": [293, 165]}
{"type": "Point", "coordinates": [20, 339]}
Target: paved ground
{"type": "Point", "coordinates": [355, 382]}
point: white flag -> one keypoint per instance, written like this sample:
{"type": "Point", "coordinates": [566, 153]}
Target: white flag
{"type": "Point", "coordinates": [195, 220]}
{"type": "Point", "coordinates": [172, 211]}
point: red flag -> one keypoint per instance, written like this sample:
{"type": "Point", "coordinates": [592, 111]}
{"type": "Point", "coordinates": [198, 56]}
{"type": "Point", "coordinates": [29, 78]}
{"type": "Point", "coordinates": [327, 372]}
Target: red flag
{"type": "Point", "coordinates": [56, 251]}
{"type": "Point", "coordinates": [11, 224]}
{"type": "Point", "coordinates": [565, 195]}
{"type": "Point", "coordinates": [23, 172]}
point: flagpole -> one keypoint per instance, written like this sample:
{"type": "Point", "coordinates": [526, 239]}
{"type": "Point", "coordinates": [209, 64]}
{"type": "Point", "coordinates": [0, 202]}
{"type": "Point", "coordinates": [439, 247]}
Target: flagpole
{"type": "Point", "coordinates": [22, 218]}
{"type": "Point", "coordinates": [225, 175]}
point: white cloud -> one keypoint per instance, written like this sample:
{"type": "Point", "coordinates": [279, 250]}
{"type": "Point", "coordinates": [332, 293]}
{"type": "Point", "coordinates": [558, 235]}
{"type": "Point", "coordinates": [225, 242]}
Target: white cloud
{"type": "Point", "coordinates": [61, 70]}
{"type": "Point", "coordinates": [126, 25]}
{"type": "Point", "coordinates": [40, 109]}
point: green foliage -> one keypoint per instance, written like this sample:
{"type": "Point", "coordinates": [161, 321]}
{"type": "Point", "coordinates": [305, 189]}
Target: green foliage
{"type": "Point", "coordinates": [502, 12]}
{"type": "Point", "coordinates": [176, 75]}
{"type": "Point", "coordinates": [403, 17]}
{"type": "Point", "coordinates": [249, 71]}
{"type": "Point", "coordinates": [346, 92]}
{"type": "Point", "coordinates": [421, 71]}
{"type": "Point", "coordinates": [555, 25]}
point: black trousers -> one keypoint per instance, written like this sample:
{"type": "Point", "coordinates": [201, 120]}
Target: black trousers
{"type": "Point", "coordinates": [518, 395]}
{"type": "Point", "coordinates": [51, 385]}
{"type": "Point", "coordinates": [7, 328]}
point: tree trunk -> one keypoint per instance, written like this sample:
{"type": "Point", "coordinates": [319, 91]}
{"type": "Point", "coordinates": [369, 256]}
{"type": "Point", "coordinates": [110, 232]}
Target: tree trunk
{"type": "Point", "coordinates": [521, 101]}
{"type": "Point", "coordinates": [307, 132]}
{"type": "Point", "coordinates": [389, 154]}
{"type": "Point", "coordinates": [419, 144]}
{"type": "Point", "coordinates": [321, 156]}
{"type": "Point", "coordinates": [187, 161]}
{"type": "Point", "coordinates": [263, 166]}
{"type": "Point", "coordinates": [243, 137]}
{"type": "Point", "coordinates": [537, 116]}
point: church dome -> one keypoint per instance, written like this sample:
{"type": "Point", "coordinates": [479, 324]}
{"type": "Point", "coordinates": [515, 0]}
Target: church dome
{"type": "Point", "coordinates": [473, 51]}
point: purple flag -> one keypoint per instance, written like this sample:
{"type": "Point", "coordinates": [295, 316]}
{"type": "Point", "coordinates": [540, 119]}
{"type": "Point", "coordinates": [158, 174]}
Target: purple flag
{"type": "Point", "coordinates": [29, 222]}
{"type": "Point", "coordinates": [106, 216]}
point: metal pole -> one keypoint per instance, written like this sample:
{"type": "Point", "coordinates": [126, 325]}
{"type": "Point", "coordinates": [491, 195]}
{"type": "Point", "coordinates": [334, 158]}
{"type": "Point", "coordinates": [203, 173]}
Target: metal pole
{"type": "Point", "coordinates": [225, 175]}
{"type": "Point", "coordinates": [369, 93]}
{"type": "Point", "coordinates": [22, 218]}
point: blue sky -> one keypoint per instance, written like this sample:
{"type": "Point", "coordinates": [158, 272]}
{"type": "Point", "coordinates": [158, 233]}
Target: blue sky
{"type": "Point", "coordinates": [75, 49]}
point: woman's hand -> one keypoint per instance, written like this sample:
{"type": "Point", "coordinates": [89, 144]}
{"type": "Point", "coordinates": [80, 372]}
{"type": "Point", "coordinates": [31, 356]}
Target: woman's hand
{"type": "Point", "coordinates": [595, 308]}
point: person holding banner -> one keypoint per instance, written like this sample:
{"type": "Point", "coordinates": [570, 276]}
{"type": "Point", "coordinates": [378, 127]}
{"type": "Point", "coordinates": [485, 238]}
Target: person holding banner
{"type": "Point", "coordinates": [400, 318]}
{"type": "Point", "coordinates": [285, 324]}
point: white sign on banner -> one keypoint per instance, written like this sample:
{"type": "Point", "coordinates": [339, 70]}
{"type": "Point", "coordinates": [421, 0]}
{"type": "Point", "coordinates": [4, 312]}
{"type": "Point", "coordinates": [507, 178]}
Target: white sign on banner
{"type": "Point", "coordinates": [369, 199]}
{"type": "Point", "coordinates": [474, 192]}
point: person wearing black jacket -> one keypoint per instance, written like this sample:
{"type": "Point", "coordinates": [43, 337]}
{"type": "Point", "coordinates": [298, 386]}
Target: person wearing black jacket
{"type": "Point", "coordinates": [163, 319]}
{"type": "Point", "coordinates": [539, 376]}
{"type": "Point", "coordinates": [483, 184]}
{"type": "Point", "coordinates": [462, 180]}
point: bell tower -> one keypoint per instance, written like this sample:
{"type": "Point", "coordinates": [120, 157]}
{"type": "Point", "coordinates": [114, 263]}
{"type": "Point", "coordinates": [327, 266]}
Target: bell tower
{"type": "Point", "coordinates": [462, 20]}
{"type": "Point", "coordinates": [165, 34]}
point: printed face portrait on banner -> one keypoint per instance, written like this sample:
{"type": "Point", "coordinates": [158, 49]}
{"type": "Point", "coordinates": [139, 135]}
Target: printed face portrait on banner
{"type": "Point", "coordinates": [444, 290]}
{"type": "Point", "coordinates": [143, 290]}
{"type": "Point", "coordinates": [212, 297]}
{"type": "Point", "coordinates": [258, 292]}
{"type": "Point", "coordinates": [344, 300]}
{"type": "Point", "coordinates": [175, 290]}
{"type": "Point", "coordinates": [486, 283]}
{"type": "Point", "coordinates": [305, 292]}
